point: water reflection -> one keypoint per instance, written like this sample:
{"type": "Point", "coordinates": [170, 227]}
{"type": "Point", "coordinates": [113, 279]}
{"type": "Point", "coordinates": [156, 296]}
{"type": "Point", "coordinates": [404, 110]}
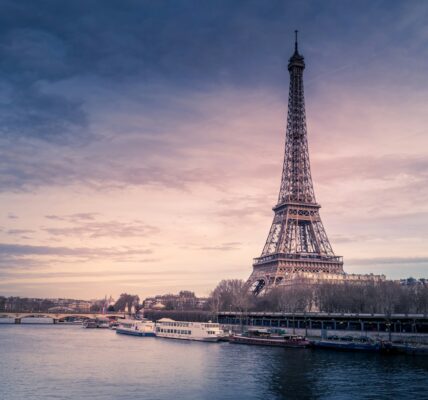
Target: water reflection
{"type": "Point", "coordinates": [291, 376]}
{"type": "Point", "coordinates": [312, 374]}
{"type": "Point", "coordinates": [98, 364]}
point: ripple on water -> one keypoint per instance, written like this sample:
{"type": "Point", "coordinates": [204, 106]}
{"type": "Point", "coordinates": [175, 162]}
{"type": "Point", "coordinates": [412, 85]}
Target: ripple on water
{"type": "Point", "coordinates": [68, 362]}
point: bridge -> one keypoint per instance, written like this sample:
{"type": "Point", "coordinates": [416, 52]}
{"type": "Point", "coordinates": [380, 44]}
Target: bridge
{"type": "Point", "coordinates": [60, 316]}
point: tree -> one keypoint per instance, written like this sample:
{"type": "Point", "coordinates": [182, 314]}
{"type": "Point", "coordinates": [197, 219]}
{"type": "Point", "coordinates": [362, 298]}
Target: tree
{"type": "Point", "coordinates": [343, 297]}
{"type": "Point", "coordinates": [297, 297]}
{"type": "Point", "coordinates": [389, 293]}
{"type": "Point", "coordinates": [126, 301]}
{"type": "Point", "coordinates": [96, 307]}
{"type": "Point", "coordinates": [186, 294]}
{"type": "Point", "coordinates": [230, 295]}
{"type": "Point", "coordinates": [422, 299]}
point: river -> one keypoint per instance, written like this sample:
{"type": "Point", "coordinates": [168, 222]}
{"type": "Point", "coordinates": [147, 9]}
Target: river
{"type": "Point", "coordinates": [69, 362]}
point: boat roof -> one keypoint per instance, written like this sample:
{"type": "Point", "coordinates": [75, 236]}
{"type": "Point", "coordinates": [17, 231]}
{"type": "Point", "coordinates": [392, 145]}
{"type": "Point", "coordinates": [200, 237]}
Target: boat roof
{"type": "Point", "coordinates": [166, 320]}
{"type": "Point", "coordinates": [258, 330]}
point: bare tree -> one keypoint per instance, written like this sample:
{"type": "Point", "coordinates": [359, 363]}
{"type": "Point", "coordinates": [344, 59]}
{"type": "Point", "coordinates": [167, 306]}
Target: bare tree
{"type": "Point", "coordinates": [126, 301]}
{"type": "Point", "coordinates": [230, 295]}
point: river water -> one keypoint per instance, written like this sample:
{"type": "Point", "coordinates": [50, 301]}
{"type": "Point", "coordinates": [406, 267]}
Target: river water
{"type": "Point", "coordinates": [69, 362]}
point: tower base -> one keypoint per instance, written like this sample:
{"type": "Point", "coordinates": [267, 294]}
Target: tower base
{"type": "Point", "coordinates": [266, 276]}
{"type": "Point", "coordinates": [276, 269]}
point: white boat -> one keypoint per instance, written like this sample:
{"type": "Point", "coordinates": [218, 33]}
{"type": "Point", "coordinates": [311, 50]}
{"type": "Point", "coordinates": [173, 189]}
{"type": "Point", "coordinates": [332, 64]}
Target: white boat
{"type": "Point", "coordinates": [136, 328]}
{"type": "Point", "coordinates": [202, 331]}
{"type": "Point", "coordinates": [96, 323]}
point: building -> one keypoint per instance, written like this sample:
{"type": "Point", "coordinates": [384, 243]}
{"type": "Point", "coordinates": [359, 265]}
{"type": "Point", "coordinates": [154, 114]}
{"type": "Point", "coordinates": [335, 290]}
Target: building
{"type": "Point", "coordinates": [185, 300]}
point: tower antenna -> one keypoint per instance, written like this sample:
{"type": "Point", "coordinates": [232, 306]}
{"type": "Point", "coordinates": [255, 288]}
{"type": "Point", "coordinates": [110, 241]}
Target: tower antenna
{"type": "Point", "coordinates": [295, 43]}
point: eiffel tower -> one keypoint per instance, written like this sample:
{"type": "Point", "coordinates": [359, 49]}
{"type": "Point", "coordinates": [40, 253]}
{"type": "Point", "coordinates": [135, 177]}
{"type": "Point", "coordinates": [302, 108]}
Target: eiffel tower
{"type": "Point", "coordinates": [297, 242]}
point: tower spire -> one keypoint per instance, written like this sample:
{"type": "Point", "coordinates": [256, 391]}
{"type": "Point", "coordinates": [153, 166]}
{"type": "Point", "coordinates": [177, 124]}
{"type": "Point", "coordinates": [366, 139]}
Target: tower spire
{"type": "Point", "coordinates": [297, 242]}
{"type": "Point", "coordinates": [295, 42]}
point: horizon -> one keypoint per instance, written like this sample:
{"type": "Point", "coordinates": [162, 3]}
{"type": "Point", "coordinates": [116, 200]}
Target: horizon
{"type": "Point", "coordinates": [142, 146]}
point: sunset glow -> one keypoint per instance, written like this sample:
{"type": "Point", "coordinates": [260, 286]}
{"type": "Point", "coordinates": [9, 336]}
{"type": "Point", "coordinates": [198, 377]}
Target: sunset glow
{"type": "Point", "coordinates": [151, 166]}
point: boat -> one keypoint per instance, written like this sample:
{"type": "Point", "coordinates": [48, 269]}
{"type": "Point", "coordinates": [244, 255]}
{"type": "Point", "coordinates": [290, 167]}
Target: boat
{"type": "Point", "coordinates": [349, 343]}
{"type": "Point", "coordinates": [103, 324]}
{"type": "Point", "coordinates": [96, 323]}
{"type": "Point", "coordinates": [185, 330]}
{"type": "Point", "coordinates": [114, 324]}
{"type": "Point", "coordinates": [136, 328]}
{"type": "Point", "coordinates": [90, 324]}
{"type": "Point", "coordinates": [264, 337]}
{"type": "Point", "coordinates": [411, 349]}
{"type": "Point", "coordinates": [77, 322]}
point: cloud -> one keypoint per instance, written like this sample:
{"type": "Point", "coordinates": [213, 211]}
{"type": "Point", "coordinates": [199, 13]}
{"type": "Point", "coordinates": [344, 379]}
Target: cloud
{"type": "Point", "coordinates": [27, 166]}
{"type": "Point", "coordinates": [228, 246]}
{"type": "Point", "coordinates": [30, 56]}
{"type": "Point", "coordinates": [19, 250]}
{"type": "Point", "coordinates": [239, 208]}
{"type": "Point", "coordinates": [85, 225]}
{"type": "Point", "coordinates": [19, 231]}
{"type": "Point", "coordinates": [400, 261]}
{"type": "Point", "coordinates": [113, 45]}
{"type": "Point", "coordinates": [180, 108]}
{"type": "Point", "coordinates": [104, 229]}
{"type": "Point", "coordinates": [177, 156]}
{"type": "Point", "coordinates": [97, 90]}
{"type": "Point", "coordinates": [169, 44]}
{"type": "Point", "coordinates": [392, 267]}
{"type": "Point", "coordinates": [73, 217]}
{"type": "Point", "coordinates": [384, 167]}
{"type": "Point", "coordinates": [351, 238]}
{"type": "Point", "coordinates": [9, 263]}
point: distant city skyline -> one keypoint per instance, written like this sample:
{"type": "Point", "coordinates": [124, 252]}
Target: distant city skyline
{"type": "Point", "coordinates": [142, 143]}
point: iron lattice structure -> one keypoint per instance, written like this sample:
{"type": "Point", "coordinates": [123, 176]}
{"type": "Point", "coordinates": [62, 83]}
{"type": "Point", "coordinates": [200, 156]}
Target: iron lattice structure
{"type": "Point", "coordinates": [297, 241]}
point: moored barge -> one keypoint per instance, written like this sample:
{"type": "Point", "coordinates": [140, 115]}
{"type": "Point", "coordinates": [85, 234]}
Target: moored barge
{"type": "Point", "coordinates": [263, 337]}
{"type": "Point", "coordinates": [363, 344]}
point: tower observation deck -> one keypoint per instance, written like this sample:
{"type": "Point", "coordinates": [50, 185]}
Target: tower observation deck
{"type": "Point", "coordinates": [297, 241]}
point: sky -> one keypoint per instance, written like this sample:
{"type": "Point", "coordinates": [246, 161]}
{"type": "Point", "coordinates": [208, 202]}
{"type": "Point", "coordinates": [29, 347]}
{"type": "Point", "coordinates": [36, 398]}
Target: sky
{"type": "Point", "coordinates": [142, 141]}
